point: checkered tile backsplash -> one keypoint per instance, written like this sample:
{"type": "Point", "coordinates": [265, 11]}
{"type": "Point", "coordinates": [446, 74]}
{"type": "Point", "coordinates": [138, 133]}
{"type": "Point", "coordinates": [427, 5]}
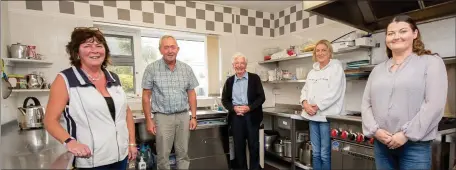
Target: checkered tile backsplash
{"type": "Point", "coordinates": [185, 14]}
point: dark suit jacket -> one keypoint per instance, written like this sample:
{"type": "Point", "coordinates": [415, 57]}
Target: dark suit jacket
{"type": "Point", "coordinates": [255, 97]}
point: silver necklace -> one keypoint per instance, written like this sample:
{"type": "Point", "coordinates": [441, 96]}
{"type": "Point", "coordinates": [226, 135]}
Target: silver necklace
{"type": "Point", "coordinates": [93, 78]}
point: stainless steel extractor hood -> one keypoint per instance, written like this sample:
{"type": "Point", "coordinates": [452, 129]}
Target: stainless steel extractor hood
{"type": "Point", "coordinates": [374, 15]}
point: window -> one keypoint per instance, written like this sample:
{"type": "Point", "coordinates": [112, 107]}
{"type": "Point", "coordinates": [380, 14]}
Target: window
{"type": "Point", "coordinates": [122, 58]}
{"type": "Point", "coordinates": [192, 52]}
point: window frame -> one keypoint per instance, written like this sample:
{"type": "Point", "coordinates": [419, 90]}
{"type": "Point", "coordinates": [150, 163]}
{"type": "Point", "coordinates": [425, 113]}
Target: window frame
{"type": "Point", "coordinates": [190, 38]}
{"type": "Point", "coordinates": [124, 60]}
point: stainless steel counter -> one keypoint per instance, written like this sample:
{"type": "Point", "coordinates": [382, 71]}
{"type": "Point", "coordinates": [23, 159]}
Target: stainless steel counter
{"type": "Point", "coordinates": [36, 149]}
{"type": "Point", "coordinates": [29, 149]}
{"type": "Point", "coordinates": [139, 117]}
{"type": "Point", "coordinates": [282, 112]}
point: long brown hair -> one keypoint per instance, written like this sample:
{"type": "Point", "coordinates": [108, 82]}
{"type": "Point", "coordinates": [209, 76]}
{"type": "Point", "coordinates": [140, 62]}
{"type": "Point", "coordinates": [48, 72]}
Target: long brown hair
{"type": "Point", "coordinates": [418, 45]}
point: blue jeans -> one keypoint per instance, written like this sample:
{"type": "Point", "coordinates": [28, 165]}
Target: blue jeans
{"type": "Point", "coordinates": [121, 165]}
{"type": "Point", "coordinates": [412, 155]}
{"type": "Point", "coordinates": [321, 145]}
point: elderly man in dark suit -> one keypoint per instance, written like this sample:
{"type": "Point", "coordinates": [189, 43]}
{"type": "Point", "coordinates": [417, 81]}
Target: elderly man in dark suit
{"type": "Point", "coordinates": [243, 97]}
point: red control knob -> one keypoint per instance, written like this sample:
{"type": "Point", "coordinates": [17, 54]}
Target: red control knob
{"type": "Point", "coordinates": [344, 135]}
{"type": "Point", "coordinates": [371, 141]}
{"type": "Point", "coordinates": [360, 138]}
{"type": "Point", "coordinates": [334, 133]}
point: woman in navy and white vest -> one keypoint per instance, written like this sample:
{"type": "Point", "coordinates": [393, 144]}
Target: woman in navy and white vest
{"type": "Point", "coordinates": [99, 124]}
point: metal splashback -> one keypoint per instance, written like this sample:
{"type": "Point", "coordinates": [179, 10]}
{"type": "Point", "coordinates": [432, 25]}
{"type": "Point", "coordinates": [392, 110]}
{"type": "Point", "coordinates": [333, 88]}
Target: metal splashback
{"type": "Point", "coordinates": [374, 15]}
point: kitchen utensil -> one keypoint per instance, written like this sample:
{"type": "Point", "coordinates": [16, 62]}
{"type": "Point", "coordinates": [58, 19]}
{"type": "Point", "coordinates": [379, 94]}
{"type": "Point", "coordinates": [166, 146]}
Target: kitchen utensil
{"type": "Point", "coordinates": [272, 75]}
{"type": "Point", "coordinates": [286, 75]}
{"type": "Point", "coordinates": [34, 81]}
{"type": "Point", "coordinates": [287, 149]}
{"type": "Point", "coordinates": [18, 51]}
{"type": "Point", "coordinates": [301, 73]}
{"type": "Point", "coordinates": [268, 141]}
{"type": "Point", "coordinates": [307, 154]}
{"type": "Point", "coordinates": [30, 116]}
{"type": "Point", "coordinates": [6, 86]}
{"type": "Point", "coordinates": [279, 148]}
{"type": "Point", "coordinates": [31, 51]}
{"type": "Point", "coordinates": [301, 155]}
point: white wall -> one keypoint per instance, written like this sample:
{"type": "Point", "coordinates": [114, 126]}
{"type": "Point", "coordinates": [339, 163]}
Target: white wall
{"type": "Point", "coordinates": [50, 33]}
{"type": "Point", "coordinates": [251, 47]}
{"type": "Point", "coordinates": [438, 36]}
{"type": "Point", "coordinates": [290, 93]}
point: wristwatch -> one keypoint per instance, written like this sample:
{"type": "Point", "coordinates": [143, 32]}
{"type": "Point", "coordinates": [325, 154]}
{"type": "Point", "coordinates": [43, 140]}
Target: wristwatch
{"type": "Point", "coordinates": [68, 140]}
{"type": "Point", "coordinates": [194, 117]}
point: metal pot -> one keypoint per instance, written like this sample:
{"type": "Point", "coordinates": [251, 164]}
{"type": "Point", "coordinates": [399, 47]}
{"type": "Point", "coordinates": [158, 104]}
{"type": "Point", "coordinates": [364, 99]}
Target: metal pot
{"type": "Point", "coordinates": [307, 157]}
{"type": "Point", "coordinates": [287, 149]}
{"type": "Point", "coordinates": [34, 81]}
{"type": "Point", "coordinates": [18, 51]}
{"type": "Point", "coordinates": [268, 141]}
{"type": "Point", "coordinates": [30, 116]}
{"type": "Point", "coordinates": [278, 148]}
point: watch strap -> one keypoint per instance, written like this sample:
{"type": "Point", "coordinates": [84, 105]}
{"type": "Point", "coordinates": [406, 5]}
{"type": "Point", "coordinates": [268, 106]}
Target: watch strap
{"type": "Point", "coordinates": [68, 140]}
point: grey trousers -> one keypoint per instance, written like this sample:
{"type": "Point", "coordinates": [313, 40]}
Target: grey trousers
{"type": "Point", "coordinates": [172, 128]}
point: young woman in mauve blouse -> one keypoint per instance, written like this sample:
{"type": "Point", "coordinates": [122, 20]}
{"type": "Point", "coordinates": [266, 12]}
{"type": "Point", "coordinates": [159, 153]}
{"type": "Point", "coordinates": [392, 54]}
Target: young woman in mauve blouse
{"type": "Point", "coordinates": [404, 99]}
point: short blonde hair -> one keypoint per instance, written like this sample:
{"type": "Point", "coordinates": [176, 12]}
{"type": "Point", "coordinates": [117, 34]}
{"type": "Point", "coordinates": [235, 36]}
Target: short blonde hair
{"type": "Point", "coordinates": [328, 45]}
{"type": "Point", "coordinates": [166, 37]}
{"type": "Point", "coordinates": [238, 55]}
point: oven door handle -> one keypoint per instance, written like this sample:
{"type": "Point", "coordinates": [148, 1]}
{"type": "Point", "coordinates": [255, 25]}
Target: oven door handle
{"type": "Point", "coordinates": [360, 155]}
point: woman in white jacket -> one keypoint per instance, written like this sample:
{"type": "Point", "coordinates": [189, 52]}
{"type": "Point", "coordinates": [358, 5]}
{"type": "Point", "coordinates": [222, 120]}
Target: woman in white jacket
{"type": "Point", "coordinates": [323, 94]}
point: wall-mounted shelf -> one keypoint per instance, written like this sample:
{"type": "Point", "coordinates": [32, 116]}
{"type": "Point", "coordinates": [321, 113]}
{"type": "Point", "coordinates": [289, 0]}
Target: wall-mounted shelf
{"type": "Point", "coordinates": [309, 54]}
{"type": "Point", "coordinates": [304, 55]}
{"type": "Point", "coordinates": [13, 61]}
{"type": "Point", "coordinates": [285, 81]}
{"type": "Point", "coordinates": [30, 90]}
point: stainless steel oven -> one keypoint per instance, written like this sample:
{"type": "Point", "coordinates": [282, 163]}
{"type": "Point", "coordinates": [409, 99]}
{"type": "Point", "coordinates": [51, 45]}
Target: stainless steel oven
{"type": "Point", "coordinates": [349, 155]}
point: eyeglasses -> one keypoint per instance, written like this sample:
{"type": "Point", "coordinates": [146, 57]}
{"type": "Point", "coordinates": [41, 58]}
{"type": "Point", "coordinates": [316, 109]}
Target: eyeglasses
{"type": "Point", "coordinates": [89, 28]}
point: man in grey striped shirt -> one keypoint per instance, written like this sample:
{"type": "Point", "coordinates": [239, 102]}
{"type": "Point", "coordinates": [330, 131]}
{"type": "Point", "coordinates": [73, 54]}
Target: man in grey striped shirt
{"type": "Point", "coordinates": [170, 84]}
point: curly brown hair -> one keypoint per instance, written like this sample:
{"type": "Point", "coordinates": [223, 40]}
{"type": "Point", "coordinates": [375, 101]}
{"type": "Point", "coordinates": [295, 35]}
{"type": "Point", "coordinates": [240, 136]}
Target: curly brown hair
{"type": "Point", "coordinates": [82, 35]}
{"type": "Point", "coordinates": [418, 45]}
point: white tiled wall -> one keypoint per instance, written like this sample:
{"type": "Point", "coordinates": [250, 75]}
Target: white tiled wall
{"type": "Point", "coordinates": [50, 33]}
{"type": "Point", "coordinates": [438, 36]}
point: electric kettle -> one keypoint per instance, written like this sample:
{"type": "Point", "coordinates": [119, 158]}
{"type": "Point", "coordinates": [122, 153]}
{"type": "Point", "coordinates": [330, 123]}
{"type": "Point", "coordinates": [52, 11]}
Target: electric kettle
{"type": "Point", "coordinates": [30, 116]}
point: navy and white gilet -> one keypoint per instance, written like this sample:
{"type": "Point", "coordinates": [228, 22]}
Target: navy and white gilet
{"type": "Point", "coordinates": [88, 118]}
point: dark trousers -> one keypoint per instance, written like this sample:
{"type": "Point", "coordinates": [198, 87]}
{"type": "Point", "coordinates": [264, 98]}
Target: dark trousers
{"type": "Point", "coordinates": [243, 128]}
{"type": "Point", "coordinates": [121, 165]}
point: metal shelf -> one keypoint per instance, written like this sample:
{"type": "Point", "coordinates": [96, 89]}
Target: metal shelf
{"type": "Point", "coordinates": [300, 165]}
{"type": "Point", "coordinates": [309, 54]}
{"type": "Point", "coordinates": [29, 90]}
{"type": "Point", "coordinates": [351, 49]}
{"type": "Point", "coordinates": [304, 55]}
{"type": "Point", "coordinates": [19, 60]}
{"type": "Point", "coordinates": [285, 81]}
{"type": "Point", "coordinates": [278, 156]}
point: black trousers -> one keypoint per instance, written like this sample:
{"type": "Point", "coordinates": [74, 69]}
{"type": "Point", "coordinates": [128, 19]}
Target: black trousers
{"type": "Point", "coordinates": [243, 128]}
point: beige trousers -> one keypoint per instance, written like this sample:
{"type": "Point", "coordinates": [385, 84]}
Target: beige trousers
{"type": "Point", "coordinates": [172, 128]}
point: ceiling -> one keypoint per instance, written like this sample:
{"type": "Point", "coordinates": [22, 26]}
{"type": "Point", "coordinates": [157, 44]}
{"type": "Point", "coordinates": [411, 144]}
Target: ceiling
{"type": "Point", "coordinates": [265, 6]}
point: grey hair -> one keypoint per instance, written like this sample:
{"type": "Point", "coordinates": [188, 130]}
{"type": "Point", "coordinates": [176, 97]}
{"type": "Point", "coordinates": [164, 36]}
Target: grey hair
{"type": "Point", "coordinates": [239, 55]}
{"type": "Point", "coordinates": [166, 37]}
